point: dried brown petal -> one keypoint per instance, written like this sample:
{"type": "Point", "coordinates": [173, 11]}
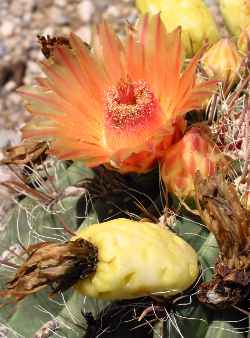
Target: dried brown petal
{"type": "Point", "coordinates": [58, 265]}
{"type": "Point", "coordinates": [222, 212]}
{"type": "Point", "coordinates": [28, 152]}
{"type": "Point", "coordinates": [49, 43]}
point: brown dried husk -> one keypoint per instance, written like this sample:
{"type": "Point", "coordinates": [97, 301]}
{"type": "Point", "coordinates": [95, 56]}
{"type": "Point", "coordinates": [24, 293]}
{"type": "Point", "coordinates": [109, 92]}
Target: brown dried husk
{"type": "Point", "coordinates": [219, 206]}
{"type": "Point", "coordinates": [49, 43]}
{"type": "Point", "coordinates": [25, 153]}
{"type": "Point", "coordinates": [58, 265]}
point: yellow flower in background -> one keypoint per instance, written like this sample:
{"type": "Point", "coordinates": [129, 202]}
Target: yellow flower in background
{"type": "Point", "coordinates": [222, 61]}
{"type": "Point", "coordinates": [137, 259]}
{"type": "Point", "coordinates": [193, 16]}
{"type": "Point", "coordinates": [236, 14]}
{"type": "Point", "coordinates": [121, 104]}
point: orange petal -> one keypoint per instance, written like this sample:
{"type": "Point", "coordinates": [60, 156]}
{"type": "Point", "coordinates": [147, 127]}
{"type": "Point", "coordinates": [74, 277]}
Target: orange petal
{"type": "Point", "coordinates": [162, 56]}
{"type": "Point", "coordinates": [135, 58]}
{"type": "Point", "coordinates": [140, 162]}
{"type": "Point", "coordinates": [92, 72]}
{"type": "Point", "coordinates": [110, 51]}
{"type": "Point", "coordinates": [189, 94]}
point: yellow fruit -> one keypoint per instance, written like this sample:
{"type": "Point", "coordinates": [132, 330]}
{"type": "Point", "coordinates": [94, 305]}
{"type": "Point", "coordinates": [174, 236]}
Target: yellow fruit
{"type": "Point", "coordinates": [222, 61]}
{"type": "Point", "coordinates": [236, 14]}
{"type": "Point", "coordinates": [193, 16]}
{"type": "Point", "coordinates": [137, 259]}
{"type": "Point", "coordinates": [150, 6]}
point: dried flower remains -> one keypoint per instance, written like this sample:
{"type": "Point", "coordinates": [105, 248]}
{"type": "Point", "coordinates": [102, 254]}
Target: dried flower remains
{"type": "Point", "coordinates": [58, 265]}
{"type": "Point", "coordinates": [229, 221]}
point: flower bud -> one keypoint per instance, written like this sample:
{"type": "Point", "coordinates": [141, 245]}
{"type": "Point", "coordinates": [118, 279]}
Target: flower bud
{"type": "Point", "coordinates": [236, 14]}
{"type": "Point", "coordinates": [222, 61]}
{"type": "Point", "coordinates": [244, 40]}
{"type": "Point", "coordinates": [195, 152]}
{"type": "Point", "coordinates": [193, 16]}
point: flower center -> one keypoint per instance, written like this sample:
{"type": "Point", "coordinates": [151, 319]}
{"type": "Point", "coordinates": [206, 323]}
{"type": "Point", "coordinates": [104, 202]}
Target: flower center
{"type": "Point", "coordinates": [128, 104]}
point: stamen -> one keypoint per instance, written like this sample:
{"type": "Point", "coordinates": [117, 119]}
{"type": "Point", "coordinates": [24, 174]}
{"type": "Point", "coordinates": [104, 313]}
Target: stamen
{"type": "Point", "coordinates": [128, 104]}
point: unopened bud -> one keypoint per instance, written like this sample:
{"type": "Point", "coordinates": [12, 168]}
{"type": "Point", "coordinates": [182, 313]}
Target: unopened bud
{"type": "Point", "coordinates": [222, 61]}
{"type": "Point", "coordinates": [243, 42]}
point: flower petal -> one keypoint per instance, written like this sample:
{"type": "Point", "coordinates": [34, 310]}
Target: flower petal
{"type": "Point", "coordinates": [110, 51]}
{"type": "Point", "coordinates": [162, 56]}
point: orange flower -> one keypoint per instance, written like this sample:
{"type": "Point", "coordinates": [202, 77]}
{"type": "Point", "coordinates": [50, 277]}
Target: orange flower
{"type": "Point", "coordinates": [122, 103]}
{"type": "Point", "coordinates": [194, 152]}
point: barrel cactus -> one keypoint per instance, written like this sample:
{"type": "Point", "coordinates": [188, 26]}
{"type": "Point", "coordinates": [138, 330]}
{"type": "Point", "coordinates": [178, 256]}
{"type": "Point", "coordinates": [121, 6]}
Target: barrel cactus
{"type": "Point", "coordinates": [126, 221]}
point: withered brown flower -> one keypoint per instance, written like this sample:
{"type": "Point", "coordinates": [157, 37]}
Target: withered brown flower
{"type": "Point", "coordinates": [48, 44]}
{"type": "Point", "coordinates": [58, 265]}
{"type": "Point", "coordinates": [25, 153]}
{"type": "Point", "coordinates": [223, 214]}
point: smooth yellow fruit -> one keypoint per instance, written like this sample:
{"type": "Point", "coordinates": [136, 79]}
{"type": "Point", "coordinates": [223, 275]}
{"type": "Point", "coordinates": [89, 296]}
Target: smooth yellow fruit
{"type": "Point", "coordinates": [137, 259]}
{"type": "Point", "coordinates": [150, 6]}
{"type": "Point", "coordinates": [193, 16]}
{"type": "Point", "coordinates": [236, 14]}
